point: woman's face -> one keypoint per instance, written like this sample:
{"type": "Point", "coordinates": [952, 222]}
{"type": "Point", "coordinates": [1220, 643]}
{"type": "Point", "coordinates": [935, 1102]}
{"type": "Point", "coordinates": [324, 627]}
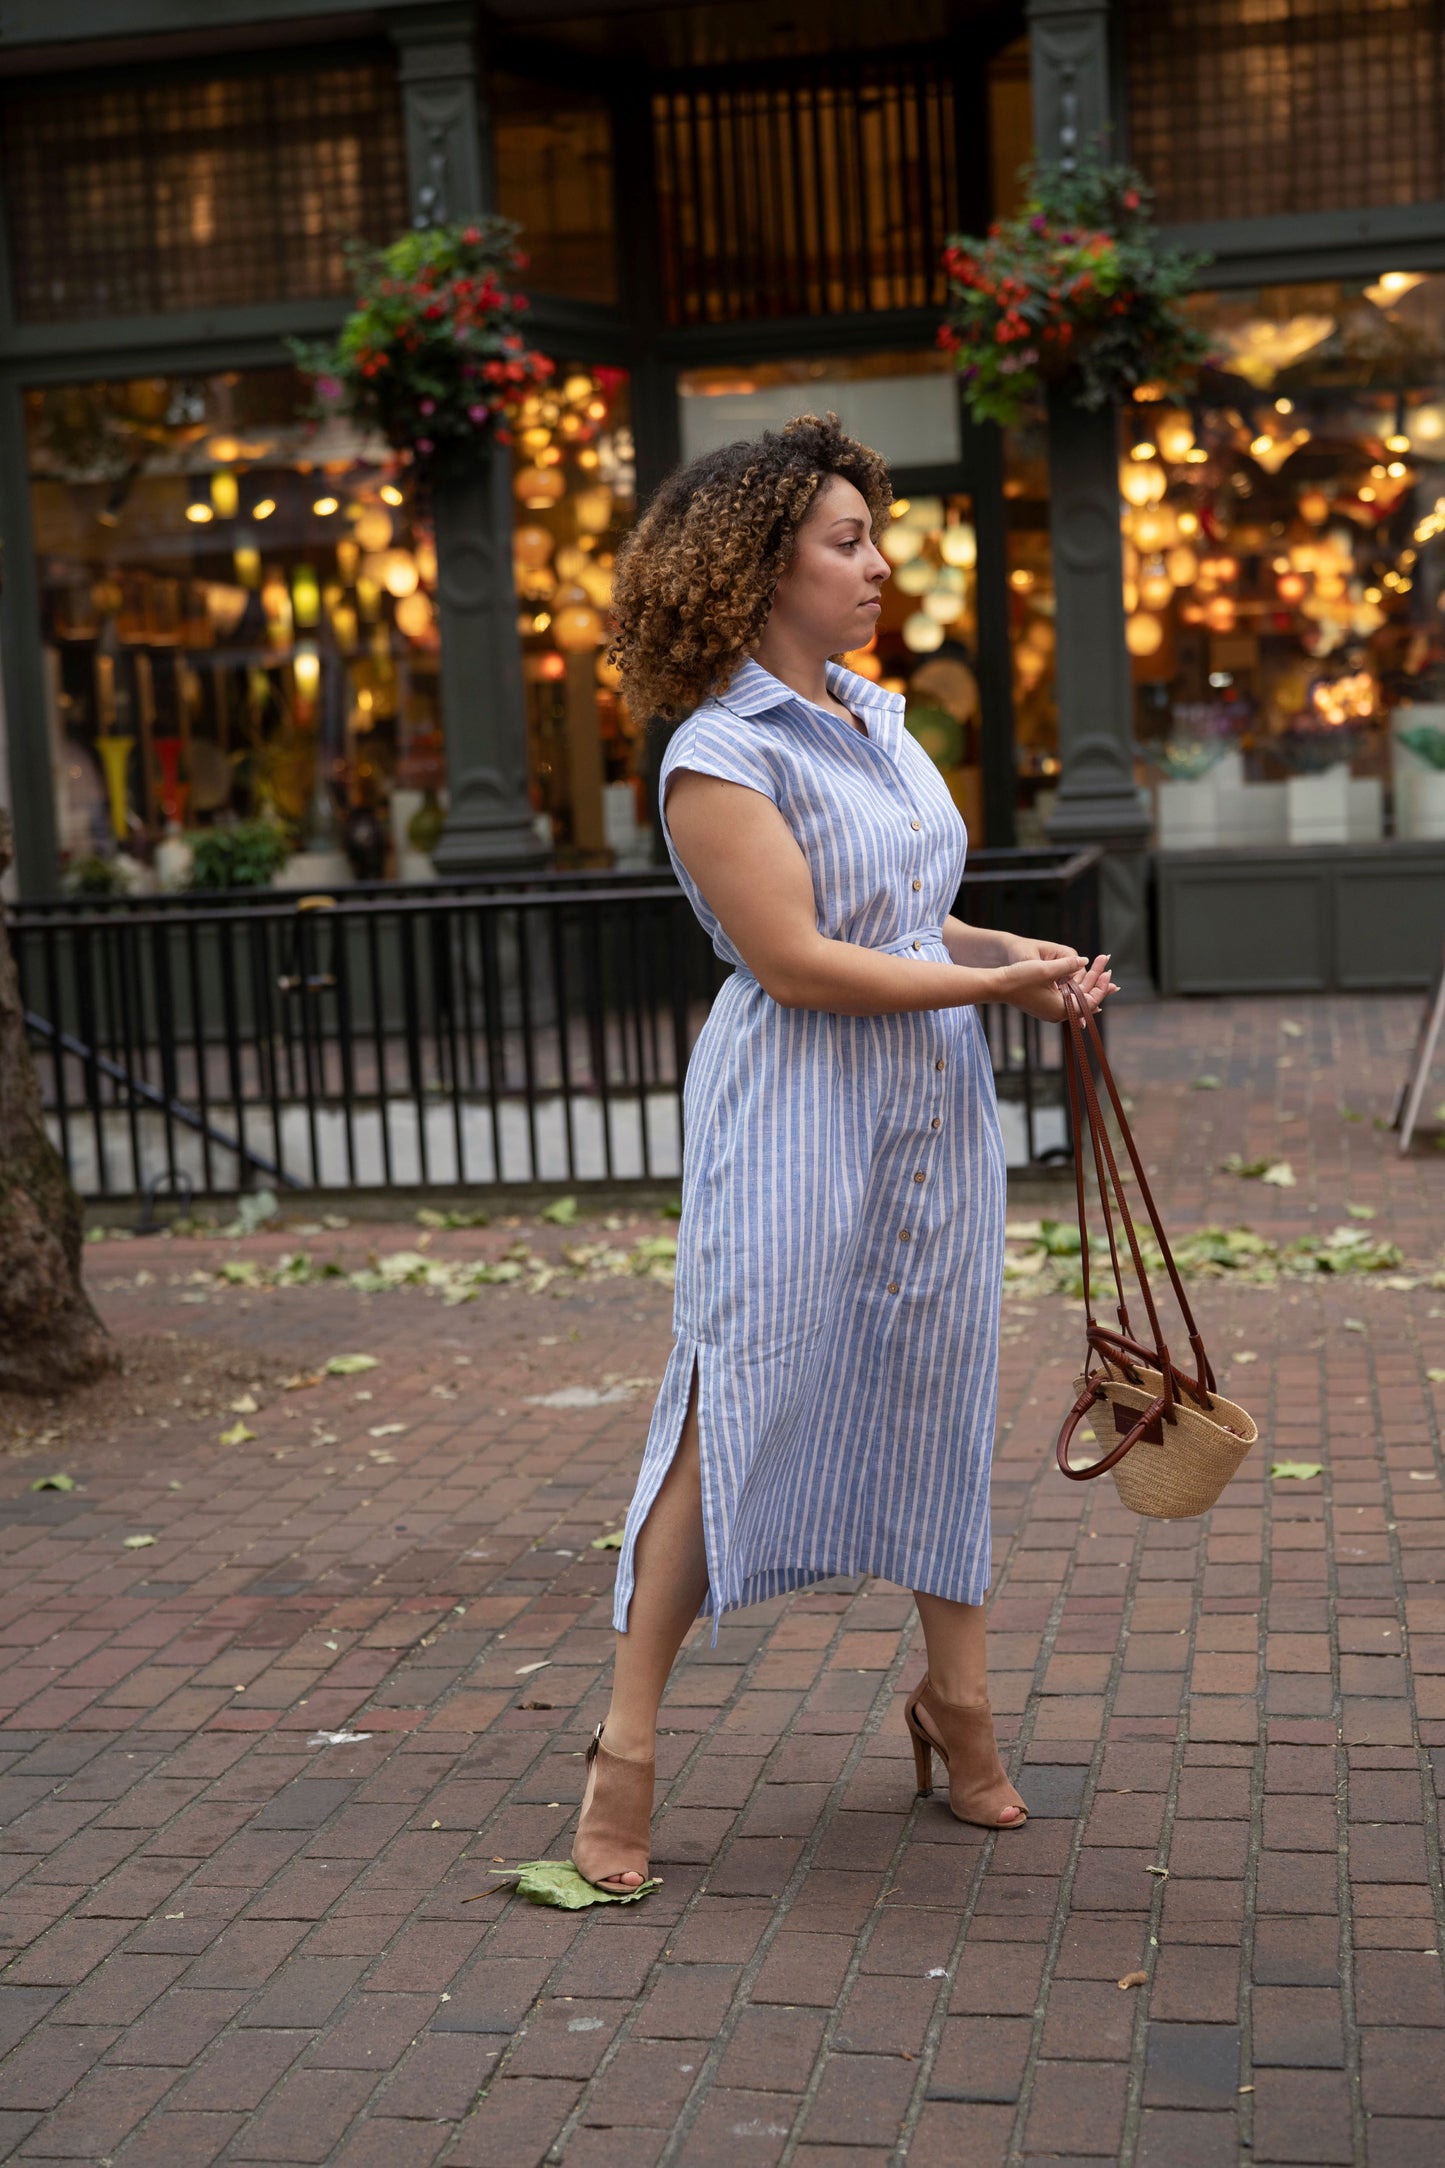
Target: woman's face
{"type": "Point", "coordinates": [829, 597]}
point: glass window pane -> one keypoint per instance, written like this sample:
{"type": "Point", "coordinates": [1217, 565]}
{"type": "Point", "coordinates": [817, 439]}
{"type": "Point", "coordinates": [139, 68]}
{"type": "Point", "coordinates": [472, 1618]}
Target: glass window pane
{"type": "Point", "coordinates": [575, 490]}
{"type": "Point", "coordinates": [1284, 570]}
{"type": "Point", "coordinates": [1244, 108]}
{"type": "Point", "coordinates": [238, 622]}
{"type": "Point", "coordinates": [553, 153]}
{"type": "Point", "coordinates": [156, 194]}
{"type": "Point", "coordinates": [1030, 562]}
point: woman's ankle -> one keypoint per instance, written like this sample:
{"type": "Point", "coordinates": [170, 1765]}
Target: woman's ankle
{"type": "Point", "coordinates": [629, 1741]}
{"type": "Point", "coordinates": [959, 1693]}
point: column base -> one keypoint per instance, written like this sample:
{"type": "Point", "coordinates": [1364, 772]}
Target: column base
{"type": "Point", "coordinates": [487, 833]}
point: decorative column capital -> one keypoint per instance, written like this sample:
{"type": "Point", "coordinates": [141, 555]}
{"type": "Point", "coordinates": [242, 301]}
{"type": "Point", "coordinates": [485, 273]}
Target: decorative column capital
{"type": "Point", "coordinates": [1069, 68]}
{"type": "Point", "coordinates": [447, 168]}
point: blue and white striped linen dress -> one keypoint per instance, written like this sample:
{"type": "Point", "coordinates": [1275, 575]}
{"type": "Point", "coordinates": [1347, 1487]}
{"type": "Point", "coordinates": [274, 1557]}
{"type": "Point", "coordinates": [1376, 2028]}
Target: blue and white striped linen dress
{"type": "Point", "coordinates": [840, 1250]}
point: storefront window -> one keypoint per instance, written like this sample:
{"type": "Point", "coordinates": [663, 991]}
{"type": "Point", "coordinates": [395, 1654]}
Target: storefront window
{"type": "Point", "coordinates": [553, 154]}
{"type": "Point", "coordinates": [575, 488]}
{"type": "Point", "coordinates": [926, 644]}
{"type": "Point", "coordinates": [1030, 567]}
{"type": "Point", "coordinates": [1284, 569]}
{"type": "Point", "coordinates": [238, 625]}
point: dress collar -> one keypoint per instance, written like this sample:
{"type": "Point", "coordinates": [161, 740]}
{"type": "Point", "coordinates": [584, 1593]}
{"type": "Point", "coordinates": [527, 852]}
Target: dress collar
{"type": "Point", "coordinates": [754, 691]}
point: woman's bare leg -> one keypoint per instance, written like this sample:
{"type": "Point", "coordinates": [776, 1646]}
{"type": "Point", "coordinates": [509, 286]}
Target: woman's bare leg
{"type": "Point", "coordinates": [957, 1656]}
{"type": "Point", "coordinates": [670, 1583]}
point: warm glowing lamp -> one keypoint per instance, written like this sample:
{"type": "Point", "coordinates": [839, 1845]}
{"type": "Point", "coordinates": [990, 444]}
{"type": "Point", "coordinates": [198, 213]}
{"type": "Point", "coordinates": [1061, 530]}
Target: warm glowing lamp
{"type": "Point", "coordinates": [531, 546]}
{"type": "Point", "coordinates": [900, 544]}
{"type": "Point", "coordinates": [916, 577]}
{"type": "Point", "coordinates": [225, 493]}
{"type": "Point", "coordinates": [1143, 633]}
{"type": "Point", "coordinates": [306, 667]}
{"type": "Point", "coordinates": [1156, 589]}
{"type": "Point", "coordinates": [414, 615]}
{"type": "Point", "coordinates": [399, 574]}
{"type": "Point", "coordinates": [373, 529]}
{"type": "Point", "coordinates": [959, 546]}
{"type": "Point", "coordinates": [539, 487]}
{"type": "Point", "coordinates": [578, 628]}
{"type": "Point", "coordinates": [1182, 565]}
{"type": "Point", "coordinates": [922, 634]}
{"type": "Point", "coordinates": [305, 596]}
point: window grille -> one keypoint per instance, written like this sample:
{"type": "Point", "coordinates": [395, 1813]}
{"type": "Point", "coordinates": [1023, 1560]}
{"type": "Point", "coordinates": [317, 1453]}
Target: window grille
{"type": "Point", "coordinates": [176, 194]}
{"type": "Point", "coordinates": [1244, 108]}
{"type": "Point", "coordinates": [806, 195]}
{"type": "Point", "coordinates": [553, 151]}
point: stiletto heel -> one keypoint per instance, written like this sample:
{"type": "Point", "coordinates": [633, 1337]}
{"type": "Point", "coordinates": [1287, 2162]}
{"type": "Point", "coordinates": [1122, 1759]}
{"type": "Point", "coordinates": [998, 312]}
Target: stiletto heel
{"type": "Point", "coordinates": [612, 1832]}
{"type": "Point", "coordinates": [963, 1739]}
{"type": "Point", "coordinates": [922, 1758]}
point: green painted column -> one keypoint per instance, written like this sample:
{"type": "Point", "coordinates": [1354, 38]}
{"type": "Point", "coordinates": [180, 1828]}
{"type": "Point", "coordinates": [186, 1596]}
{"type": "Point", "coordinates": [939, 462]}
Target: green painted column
{"type": "Point", "coordinates": [484, 714]}
{"type": "Point", "coordinates": [1098, 801]}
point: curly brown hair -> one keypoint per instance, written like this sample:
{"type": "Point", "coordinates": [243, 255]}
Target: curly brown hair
{"type": "Point", "coordinates": [694, 580]}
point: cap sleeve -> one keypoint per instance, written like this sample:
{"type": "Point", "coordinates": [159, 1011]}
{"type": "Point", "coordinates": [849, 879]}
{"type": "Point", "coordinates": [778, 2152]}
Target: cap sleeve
{"type": "Point", "coordinates": [722, 746]}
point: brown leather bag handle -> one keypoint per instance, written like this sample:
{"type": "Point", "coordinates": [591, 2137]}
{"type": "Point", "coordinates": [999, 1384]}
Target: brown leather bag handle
{"type": "Point", "coordinates": [1082, 1038]}
{"type": "Point", "coordinates": [1081, 1041]}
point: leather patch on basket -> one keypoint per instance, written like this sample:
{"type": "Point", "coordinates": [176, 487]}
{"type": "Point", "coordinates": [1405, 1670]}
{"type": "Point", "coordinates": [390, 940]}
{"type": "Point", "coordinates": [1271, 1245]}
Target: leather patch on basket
{"type": "Point", "coordinates": [1126, 1418]}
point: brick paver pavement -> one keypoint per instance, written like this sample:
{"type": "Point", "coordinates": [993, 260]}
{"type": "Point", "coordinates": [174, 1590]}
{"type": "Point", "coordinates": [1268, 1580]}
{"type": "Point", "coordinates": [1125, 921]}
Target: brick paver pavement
{"type": "Point", "coordinates": [230, 1941]}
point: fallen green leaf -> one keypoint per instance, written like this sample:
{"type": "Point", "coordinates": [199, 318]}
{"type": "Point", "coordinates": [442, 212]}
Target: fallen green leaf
{"type": "Point", "coordinates": [238, 1434]}
{"type": "Point", "coordinates": [67, 1482]}
{"type": "Point", "coordinates": [350, 1366]}
{"type": "Point", "coordinates": [1249, 1170]}
{"type": "Point", "coordinates": [1351, 1114]}
{"type": "Point", "coordinates": [562, 1211]}
{"type": "Point", "coordinates": [1206, 1084]}
{"type": "Point", "coordinates": [557, 1882]}
{"type": "Point", "coordinates": [1360, 1211]}
{"type": "Point", "coordinates": [1436, 1377]}
{"type": "Point", "coordinates": [1281, 1175]}
{"type": "Point", "coordinates": [613, 1541]}
{"type": "Point", "coordinates": [1354, 1324]}
{"type": "Point", "coordinates": [1291, 1029]}
{"type": "Point", "coordinates": [137, 1543]}
{"type": "Point", "coordinates": [1300, 1470]}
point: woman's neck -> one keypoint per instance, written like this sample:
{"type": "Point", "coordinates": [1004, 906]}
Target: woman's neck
{"type": "Point", "coordinates": [798, 667]}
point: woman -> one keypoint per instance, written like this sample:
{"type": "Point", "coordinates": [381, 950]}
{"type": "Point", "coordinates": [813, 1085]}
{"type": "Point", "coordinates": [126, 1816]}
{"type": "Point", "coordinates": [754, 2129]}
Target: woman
{"type": "Point", "coordinates": [828, 1406]}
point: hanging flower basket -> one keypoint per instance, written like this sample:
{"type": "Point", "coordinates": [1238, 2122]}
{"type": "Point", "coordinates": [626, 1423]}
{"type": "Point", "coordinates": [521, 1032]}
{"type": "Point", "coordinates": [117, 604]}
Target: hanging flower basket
{"type": "Point", "coordinates": [1074, 288]}
{"type": "Point", "coordinates": [431, 356]}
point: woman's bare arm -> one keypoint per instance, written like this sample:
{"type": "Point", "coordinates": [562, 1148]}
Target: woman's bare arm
{"type": "Point", "coordinates": [744, 858]}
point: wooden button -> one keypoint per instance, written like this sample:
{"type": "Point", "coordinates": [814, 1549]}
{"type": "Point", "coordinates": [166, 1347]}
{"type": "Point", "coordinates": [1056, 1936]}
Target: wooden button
{"type": "Point", "coordinates": [935, 1123]}
{"type": "Point", "coordinates": [918, 884]}
{"type": "Point", "coordinates": [918, 944]}
{"type": "Point", "coordinates": [939, 1063]}
{"type": "Point", "coordinates": [918, 1177]}
{"type": "Point", "coordinates": [892, 1287]}
{"type": "Point", "coordinates": [904, 1235]}
{"type": "Point", "coordinates": [915, 824]}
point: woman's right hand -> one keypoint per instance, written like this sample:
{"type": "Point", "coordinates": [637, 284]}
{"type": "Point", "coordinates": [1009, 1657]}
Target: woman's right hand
{"type": "Point", "coordinates": [1033, 984]}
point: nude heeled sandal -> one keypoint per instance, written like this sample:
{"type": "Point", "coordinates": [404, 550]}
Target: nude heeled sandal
{"type": "Point", "coordinates": [967, 1748]}
{"type": "Point", "coordinates": [612, 1832]}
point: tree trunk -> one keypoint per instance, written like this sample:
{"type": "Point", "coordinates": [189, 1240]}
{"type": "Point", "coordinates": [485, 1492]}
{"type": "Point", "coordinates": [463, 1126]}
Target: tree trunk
{"type": "Point", "coordinates": [50, 1337]}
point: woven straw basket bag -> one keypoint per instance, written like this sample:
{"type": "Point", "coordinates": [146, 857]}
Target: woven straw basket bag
{"type": "Point", "coordinates": [1177, 1439]}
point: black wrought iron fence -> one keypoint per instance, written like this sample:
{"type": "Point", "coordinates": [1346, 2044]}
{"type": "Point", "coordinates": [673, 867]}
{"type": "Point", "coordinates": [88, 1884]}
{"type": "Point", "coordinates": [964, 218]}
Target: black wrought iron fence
{"type": "Point", "coordinates": [522, 1029]}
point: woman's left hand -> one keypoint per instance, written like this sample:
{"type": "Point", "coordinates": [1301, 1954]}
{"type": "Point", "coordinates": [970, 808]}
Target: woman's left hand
{"type": "Point", "coordinates": [1094, 981]}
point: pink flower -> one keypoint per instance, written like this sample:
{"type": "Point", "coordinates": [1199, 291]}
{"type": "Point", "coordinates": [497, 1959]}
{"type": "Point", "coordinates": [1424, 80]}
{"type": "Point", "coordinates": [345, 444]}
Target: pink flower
{"type": "Point", "coordinates": [478, 414]}
{"type": "Point", "coordinates": [425, 446]}
{"type": "Point", "coordinates": [426, 406]}
{"type": "Point", "coordinates": [329, 387]}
